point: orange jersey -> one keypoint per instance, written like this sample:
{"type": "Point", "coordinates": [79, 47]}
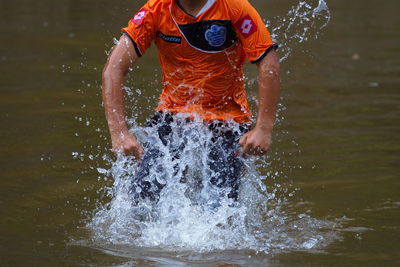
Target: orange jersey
{"type": "Point", "coordinates": [202, 57]}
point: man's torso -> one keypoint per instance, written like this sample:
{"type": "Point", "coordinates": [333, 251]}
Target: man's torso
{"type": "Point", "coordinates": [201, 57]}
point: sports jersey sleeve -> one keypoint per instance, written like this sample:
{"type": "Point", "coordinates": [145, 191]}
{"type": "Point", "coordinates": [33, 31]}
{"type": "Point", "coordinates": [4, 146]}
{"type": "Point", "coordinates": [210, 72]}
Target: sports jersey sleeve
{"type": "Point", "coordinates": [141, 29]}
{"type": "Point", "coordinates": [251, 31]}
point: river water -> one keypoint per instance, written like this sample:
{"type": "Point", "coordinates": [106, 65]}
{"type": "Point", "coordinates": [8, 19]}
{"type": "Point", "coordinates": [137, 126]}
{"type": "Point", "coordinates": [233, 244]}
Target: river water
{"type": "Point", "coordinates": [328, 193]}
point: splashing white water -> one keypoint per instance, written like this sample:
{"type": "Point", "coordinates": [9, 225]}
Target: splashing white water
{"type": "Point", "coordinates": [302, 23]}
{"type": "Point", "coordinates": [186, 217]}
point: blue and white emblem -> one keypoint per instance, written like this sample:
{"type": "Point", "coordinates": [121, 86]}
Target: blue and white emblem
{"type": "Point", "coordinates": [216, 35]}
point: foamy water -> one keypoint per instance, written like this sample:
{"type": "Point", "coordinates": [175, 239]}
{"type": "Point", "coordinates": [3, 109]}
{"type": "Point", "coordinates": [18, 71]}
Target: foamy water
{"type": "Point", "coordinates": [192, 217]}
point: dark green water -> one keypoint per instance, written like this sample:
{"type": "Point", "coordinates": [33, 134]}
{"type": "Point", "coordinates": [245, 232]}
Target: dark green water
{"type": "Point", "coordinates": [342, 99]}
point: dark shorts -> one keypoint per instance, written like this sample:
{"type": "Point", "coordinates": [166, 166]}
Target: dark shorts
{"type": "Point", "coordinates": [224, 166]}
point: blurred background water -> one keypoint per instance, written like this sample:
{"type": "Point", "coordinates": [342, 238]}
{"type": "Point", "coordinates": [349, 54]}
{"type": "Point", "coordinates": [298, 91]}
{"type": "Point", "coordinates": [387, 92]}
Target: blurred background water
{"type": "Point", "coordinates": [337, 142]}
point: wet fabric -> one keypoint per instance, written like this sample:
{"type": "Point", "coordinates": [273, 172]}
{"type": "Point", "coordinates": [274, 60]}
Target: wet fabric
{"type": "Point", "coordinates": [202, 57]}
{"type": "Point", "coordinates": [223, 164]}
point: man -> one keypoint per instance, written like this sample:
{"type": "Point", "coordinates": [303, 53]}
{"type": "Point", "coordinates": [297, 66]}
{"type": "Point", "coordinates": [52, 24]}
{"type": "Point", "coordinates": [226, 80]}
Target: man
{"type": "Point", "coordinates": [202, 46]}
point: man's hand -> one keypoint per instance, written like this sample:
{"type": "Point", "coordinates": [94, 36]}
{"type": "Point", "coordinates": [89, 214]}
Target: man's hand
{"type": "Point", "coordinates": [127, 144]}
{"type": "Point", "coordinates": [256, 141]}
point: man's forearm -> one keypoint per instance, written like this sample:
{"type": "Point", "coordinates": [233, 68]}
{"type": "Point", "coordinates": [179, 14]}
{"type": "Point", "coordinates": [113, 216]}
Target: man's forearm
{"type": "Point", "coordinates": [268, 91]}
{"type": "Point", "coordinates": [115, 70]}
{"type": "Point", "coordinates": [113, 99]}
{"type": "Point", "coordinates": [122, 57]}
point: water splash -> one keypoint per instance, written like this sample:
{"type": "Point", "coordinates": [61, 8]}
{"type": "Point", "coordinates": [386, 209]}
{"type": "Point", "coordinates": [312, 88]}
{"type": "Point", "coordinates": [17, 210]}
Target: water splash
{"type": "Point", "coordinates": [262, 219]}
{"type": "Point", "coordinates": [302, 23]}
{"type": "Point", "coordinates": [186, 217]}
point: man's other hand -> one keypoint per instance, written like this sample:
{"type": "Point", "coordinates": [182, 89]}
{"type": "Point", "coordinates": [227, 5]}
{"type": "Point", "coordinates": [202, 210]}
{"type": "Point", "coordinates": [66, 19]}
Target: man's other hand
{"type": "Point", "coordinates": [127, 144]}
{"type": "Point", "coordinates": [256, 141]}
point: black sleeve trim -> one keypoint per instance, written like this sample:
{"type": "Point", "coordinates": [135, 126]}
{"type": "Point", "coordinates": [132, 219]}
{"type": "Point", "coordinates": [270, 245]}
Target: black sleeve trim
{"type": "Point", "coordinates": [134, 44]}
{"type": "Point", "coordinates": [272, 47]}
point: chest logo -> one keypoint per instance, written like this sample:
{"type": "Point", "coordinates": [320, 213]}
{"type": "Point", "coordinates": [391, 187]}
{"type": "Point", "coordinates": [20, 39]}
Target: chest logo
{"type": "Point", "coordinates": [169, 38]}
{"type": "Point", "coordinates": [215, 35]}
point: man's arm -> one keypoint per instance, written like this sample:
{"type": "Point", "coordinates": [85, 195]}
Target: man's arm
{"type": "Point", "coordinates": [258, 140]}
{"type": "Point", "coordinates": [122, 57]}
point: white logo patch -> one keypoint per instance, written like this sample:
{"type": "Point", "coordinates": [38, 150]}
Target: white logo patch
{"type": "Point", "coordinates": [246, 26]}
{"type": "Point", "coordinates": [139, 15]}
{"type": "Point", "coordinates": [138, 18]}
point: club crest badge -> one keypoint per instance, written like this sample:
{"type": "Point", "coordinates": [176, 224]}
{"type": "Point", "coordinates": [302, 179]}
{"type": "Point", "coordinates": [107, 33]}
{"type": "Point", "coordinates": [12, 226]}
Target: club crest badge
{"type": "Point", "coordinates": [216, 35]}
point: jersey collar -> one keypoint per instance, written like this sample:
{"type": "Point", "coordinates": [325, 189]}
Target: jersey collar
{"type": "Point", "coordinates": [177, 12]}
